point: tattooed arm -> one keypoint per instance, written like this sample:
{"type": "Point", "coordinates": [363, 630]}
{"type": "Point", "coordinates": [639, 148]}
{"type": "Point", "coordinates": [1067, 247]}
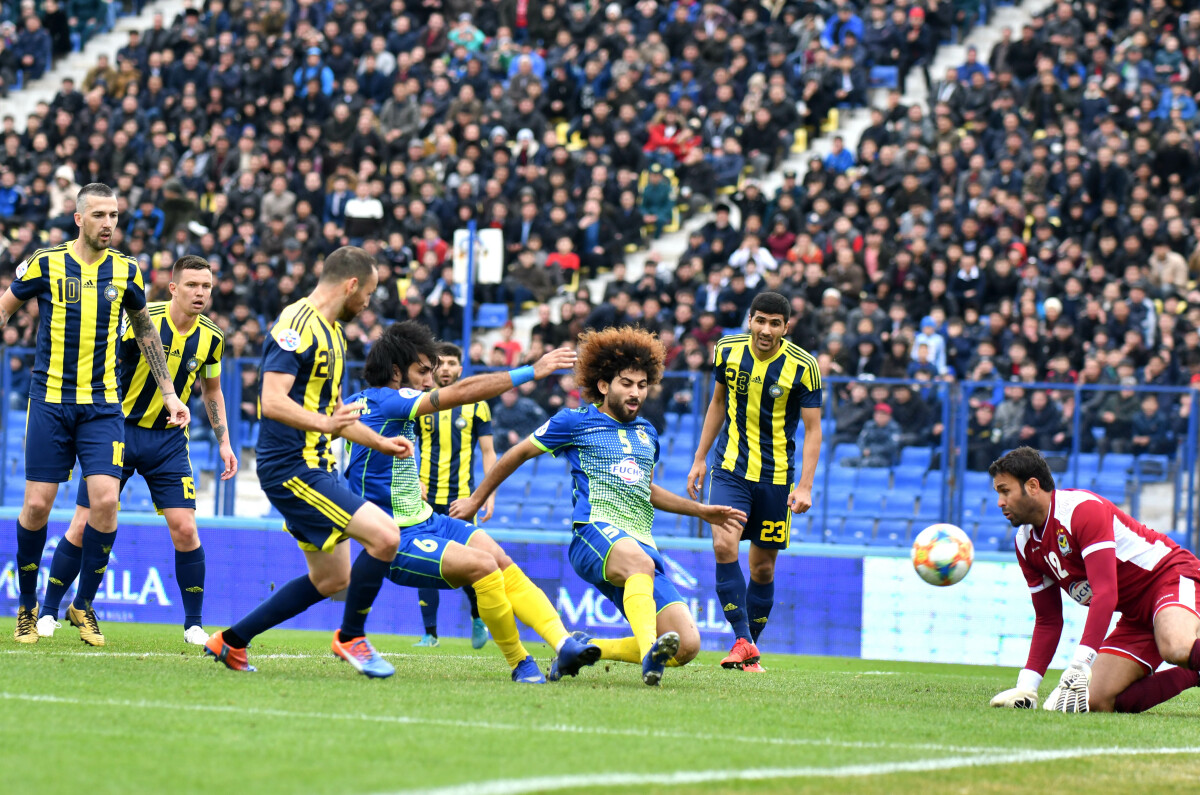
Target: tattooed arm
{"type": "Point", "coordinates": [214, 406]}
{"type": "Point", "coordinates": [9, 304]}
{"type": "Point", "coordinates": [152, 352]}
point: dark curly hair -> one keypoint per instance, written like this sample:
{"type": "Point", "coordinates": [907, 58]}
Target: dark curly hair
{"type": "Point", "coordinates": [402, 345]}
{"type": "Point", "coordinates": [605, 354]}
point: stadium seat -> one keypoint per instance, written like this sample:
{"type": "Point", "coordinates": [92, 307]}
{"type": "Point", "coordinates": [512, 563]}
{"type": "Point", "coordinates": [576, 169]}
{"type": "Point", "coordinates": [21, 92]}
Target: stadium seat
{"type": "Point", "coordinates": [492, 315]}
{"type": "Point", "coordinates": [837, 504]}
{"type": "Point", "coordinates": [856, 531]}
{"type": "Point", "coordinates": [875, 480]}
{"type": "Point", "coordinates": [892, 533]}
{"type": "Point", "coordinates": [1114, 463]}
{"type": "Point", "coordinates": [908, 478]}
{"type": "Point", "coordinates": [884, 77]}
{"type": "Point", "coordinates": [868, 503]}
{"type": "Point", "coordinates": [1152, 468]}
{"type": "Point", "coordinates": [844, 451]}
{"type": "Point", "coordinates": [916, 456]}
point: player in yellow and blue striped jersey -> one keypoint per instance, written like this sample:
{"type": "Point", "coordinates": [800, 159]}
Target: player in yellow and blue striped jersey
{"type": "Point", "coordinates": [158, 452]}
{"type": "Point", "coordinates": [303, 365]}
{"type": "Point", "coordinates": [74, 400]}
{"type": "Point", "coordinates": [448, 441]}
{"type": "Point", "coordinates": [612, 454]}
{"type": "Point", "coordinates": [765, 386]}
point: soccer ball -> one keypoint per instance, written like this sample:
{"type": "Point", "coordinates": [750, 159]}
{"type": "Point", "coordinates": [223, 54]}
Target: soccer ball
{"type": "Point", "coordinates": [942, 554]}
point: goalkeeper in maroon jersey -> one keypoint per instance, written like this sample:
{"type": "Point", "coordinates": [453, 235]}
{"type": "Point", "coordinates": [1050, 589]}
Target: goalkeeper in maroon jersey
{"type": "Point", "coordinates": [1108, 562]}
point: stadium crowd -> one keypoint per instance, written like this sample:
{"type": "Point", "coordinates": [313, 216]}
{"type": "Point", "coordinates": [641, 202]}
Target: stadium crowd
{"type": "Point", "coordinates": [1034, 220]}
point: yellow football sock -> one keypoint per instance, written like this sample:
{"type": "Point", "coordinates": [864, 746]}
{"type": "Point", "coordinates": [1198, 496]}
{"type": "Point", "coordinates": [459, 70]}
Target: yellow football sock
{"type": "Point", "coordinates": [619, 649]}
{"type": "Point", "coordinates": [673, 663]}
{"type": "Point", "coordinates": [532, 606]}
{"type": "Point", "coordinates": [497, 612]}
{"type": "Point", "coordinates": [639, 610]}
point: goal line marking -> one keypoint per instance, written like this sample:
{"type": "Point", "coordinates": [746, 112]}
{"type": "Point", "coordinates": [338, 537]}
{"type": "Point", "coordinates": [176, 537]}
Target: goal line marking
{"type": "Point", "coordinates": [686, 777]}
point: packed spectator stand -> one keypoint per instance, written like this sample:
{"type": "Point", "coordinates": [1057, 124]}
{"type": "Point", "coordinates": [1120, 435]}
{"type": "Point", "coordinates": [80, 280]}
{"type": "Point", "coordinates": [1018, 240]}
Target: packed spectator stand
{"type": "Point", "coordinates": [1033, 220]}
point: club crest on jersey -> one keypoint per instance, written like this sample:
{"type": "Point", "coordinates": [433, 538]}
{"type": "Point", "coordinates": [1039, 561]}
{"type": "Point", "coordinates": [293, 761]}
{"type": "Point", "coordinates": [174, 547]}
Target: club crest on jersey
{"type": "Point", "coordinates": [627, 470]}
{"type": "Point", "coordinates": [643, 437]}
{"type": "Point", "coordinates": [111, 293]}
{"type": "Point", "coordinates": [192, 364]}
{"type": "Point", "coordinates": [774, 390]}
{"type": "Point", "coordinates": [460, 423]}
{"type": "Point", "coordinates": [289, 339]}
{"type": "Point", "coordinates": [1064, 544]}
{"type": "Point", "coordinates": [1081, 592]}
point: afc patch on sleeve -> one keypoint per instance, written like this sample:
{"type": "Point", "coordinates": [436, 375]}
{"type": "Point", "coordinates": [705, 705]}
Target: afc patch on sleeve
{"type": "Point", "coordinates": [22, 269]}
{"type": "Point", "coordinates": [288, 339]}
{"type": "Point", "coordinates": [408, 392]}
{"type": "Point", "coordinates": [542, 430]}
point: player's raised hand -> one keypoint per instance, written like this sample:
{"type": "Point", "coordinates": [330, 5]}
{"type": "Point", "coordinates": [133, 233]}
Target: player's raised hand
{"type": "Point", "coordinates": [695, 480]}
{"type": "Point", "coordinates": [1016, 698]}
{"type": "Point", "coordinates": [464, 508]}
{"type": "Point", "coordinates": [557, 359]}
{"type": "Point", "coordinates": [723, 515]}
{"type": "Point", "coordinates": [800, 500]}
{"type": "Point", "coordinates": [229, 459]}
{"type": "Point", "coordinates": [178, 415]}
{"type": "Point", "coordinates": [489, 505]}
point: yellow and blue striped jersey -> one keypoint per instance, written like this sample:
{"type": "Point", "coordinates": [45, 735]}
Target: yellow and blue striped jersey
{"type": "Point", "coordinates": [79, 315]}
{"type": "Point", "coordinates": [201, 348]}
{"type": "Point", "coordinates": [762, 410]}
{"type": "Point", "coordinates": [448, 441]}
{"type": "Point", "coordinates": [304, 344]}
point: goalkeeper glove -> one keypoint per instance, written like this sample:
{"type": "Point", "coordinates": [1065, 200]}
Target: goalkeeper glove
{"type": "Point", "coordinates": [1071, 695]}
{"type": "Point", "coordinates": [1024, 695]}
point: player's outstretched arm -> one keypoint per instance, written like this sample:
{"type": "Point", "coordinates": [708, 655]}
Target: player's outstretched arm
{"type": "Point", "coordinates": [800, 500]}
{"type": "Point", "coordinates": [486, 386]}
{"type": "Point", "coordinates": [708, 434]}
{"type": "Point", "coordinates": [717, 515]}
{"type": "Point", "coordinates": [152, 352]}
{"type": "Point", "coordinates": [509, 463]}
{"type": "Point", "coordinates": [487, 452]}
{"type": "Point", "coordinates": [9, 304]}
{"type": "Point", "coordinates": [214, 405]}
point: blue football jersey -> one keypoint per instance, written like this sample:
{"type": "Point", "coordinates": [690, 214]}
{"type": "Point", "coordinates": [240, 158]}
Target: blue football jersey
{"type": "Point", "coordinates": [394, 484]}
{"type": "Point", "coordinates": [612, 464]}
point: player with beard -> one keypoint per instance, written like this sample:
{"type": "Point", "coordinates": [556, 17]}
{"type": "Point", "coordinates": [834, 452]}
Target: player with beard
{"type": "Point", "coordinates": [1108, 562]}
{"type": "Point", "coordinates": [613, 452]}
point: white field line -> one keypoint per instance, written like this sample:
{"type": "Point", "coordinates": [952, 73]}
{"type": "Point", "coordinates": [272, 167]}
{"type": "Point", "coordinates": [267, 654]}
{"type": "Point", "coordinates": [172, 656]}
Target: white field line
{"type": "Point", "coordinates": [686, 777]}
{"type": "Point", "coordinates": [482, 725]}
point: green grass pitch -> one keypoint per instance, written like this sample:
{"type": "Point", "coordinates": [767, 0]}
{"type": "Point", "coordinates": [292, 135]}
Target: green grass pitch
{"type": "Point", "coordinates": [147, 714]}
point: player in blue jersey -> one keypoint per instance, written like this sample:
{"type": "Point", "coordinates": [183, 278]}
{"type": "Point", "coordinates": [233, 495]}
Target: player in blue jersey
{"type": "Point", "coordinates": [74, 399]}
{"type": "Point", "coordinates": [612, 453]}
{"type": "Point", "coordinates": [765, 386]}
{"type": "Point", "coordinates": [303, 365]}
{"type": "Point", "coordinates": [194, 346]}
{"type": "Point", "coordinates": [437, 551]}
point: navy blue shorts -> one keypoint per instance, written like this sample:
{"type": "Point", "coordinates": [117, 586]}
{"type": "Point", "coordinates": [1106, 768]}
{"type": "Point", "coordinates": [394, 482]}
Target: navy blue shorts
{"type": "Point", "coordinates": [418, 562]}
{"type": "Point", "coordinates": [58, 433]}
{"type": "Point", "coordinates": [588, 553]}
{"type": "Point", "coordinates": [162, 457]}
{"type": "Point", "coordinates": [768, 522]}
{"type": "Point", "coordinates": [316, 506]}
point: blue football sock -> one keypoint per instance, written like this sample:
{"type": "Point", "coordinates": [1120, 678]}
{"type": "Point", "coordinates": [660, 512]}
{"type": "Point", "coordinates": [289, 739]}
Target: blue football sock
{"type": "Point", "coordinates": [760, 598]}
{"type": "Point", "coordinates": [93, 563]}
{"type": "Point", "coordinates": [292, 599]}
{"type": "Point", "coordinates": [366, 578]}
{"type": "Point", "coordinates": [189, 573]}
{"type": "Point", "coordinates": [64, 568]}
{"type": "Point", "coordinates": [469, 592]}
{"type": "Point", "coordinates": [428, 599]}
{"type": "Point", "coordinates": [731, 590]}
{"type": "Point", "coordinates": [30, 544]}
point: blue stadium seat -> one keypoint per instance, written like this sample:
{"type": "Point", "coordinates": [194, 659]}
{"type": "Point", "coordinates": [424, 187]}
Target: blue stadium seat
{"type": "Point", "coordinates": [1152, 468]}
{"type": "Point", "coordinates": [908, 478]}
{"type": "Point", "coordinates": [838, 505]}
{"type": "Point", "coordinates": [856, 531]}
{"type": "Point", "coordinates": [902, 503]}
{"type": "Point", "coordinates": [876, 480]}
{"type": "Point", "coordinates": [930, 507]}
{"type": "Point", "coordinates": [492, 315]}
{"type": "Point", "coordinates": [893, 533]}
{"type": "Point", "coordinates": [991, 536]}
{"type": "Point", "coordinates": [916, 457]}
{"type": "Point", "coordinates": [839, 478]}
{"type": "Point", "coordinates": [1115, 463]}
{"type": "Point", "coordinates": [868, 503]}
{"type": "Point", "coordinates": [884, 77]}
{"type": "Point", "coordinates": [845, 450]}
{"type": "Point", "coordinates": [1087, 464]}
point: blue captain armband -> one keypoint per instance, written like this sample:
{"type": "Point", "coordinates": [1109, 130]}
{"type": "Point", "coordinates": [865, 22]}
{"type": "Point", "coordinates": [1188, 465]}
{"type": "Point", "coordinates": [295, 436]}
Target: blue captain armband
{"type": "Point", "coordinates": [521, 375]}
